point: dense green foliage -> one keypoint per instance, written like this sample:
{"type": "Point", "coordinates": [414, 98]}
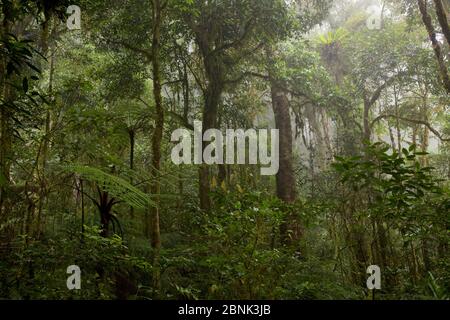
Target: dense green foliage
{"type": "Point", "coordinates": [85, 150]}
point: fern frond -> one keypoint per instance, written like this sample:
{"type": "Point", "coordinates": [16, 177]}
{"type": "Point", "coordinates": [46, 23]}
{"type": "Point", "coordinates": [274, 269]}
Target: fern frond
{"type": "Point", "coordinates": [115, 186]}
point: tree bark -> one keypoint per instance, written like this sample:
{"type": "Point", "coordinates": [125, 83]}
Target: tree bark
{"type": "Point", "coordinates": [285, 176]}
{"type": "Point", "coordinates": [426, 18]}
{"type": "Point", "coordinates": [442, 16]}
{"type": "Point", "coordinates": [156, 141]}
{"type": "Point", "coordinates": [214, 74]}
{"type": "Point", "coordinates": [285, 179]}
{"type": "Point", "coordinates": [5, 121]}
{"type": "Point", "coordinates": [43, 157]}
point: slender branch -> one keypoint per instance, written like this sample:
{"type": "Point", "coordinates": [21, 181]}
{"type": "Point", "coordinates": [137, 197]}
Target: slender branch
{"type": "Point", "coordinates": [183, 121]}
{"type": "Point", "coordinates": [267, 78]}
{"type": "Point", "coordinates": [416, 121]}
{"type": "Point", "coordinates": [145, 103]}
{"type": "Point", "coordinates": [244, 75]}
{"type": "Point", "coordinates": [234, 44]}
{"type": "Point", "coordinates": [197, 79]}
{"type": "Point", "coordinates": [172, 82]}
{"type": "Point", "coordinates": [145, 52]}
{"type": "Point", "coordinates": [387, 83]}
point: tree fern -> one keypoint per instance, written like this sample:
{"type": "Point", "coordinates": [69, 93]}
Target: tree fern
{"type": "Point", "coordinates": [115, 186]}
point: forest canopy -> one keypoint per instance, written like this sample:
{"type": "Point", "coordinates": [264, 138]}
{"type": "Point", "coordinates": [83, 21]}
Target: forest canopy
{"type": "Point", "coordinates": [213, 149]}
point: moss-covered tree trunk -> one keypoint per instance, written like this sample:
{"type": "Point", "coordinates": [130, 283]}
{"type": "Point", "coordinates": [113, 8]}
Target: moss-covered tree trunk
{"type": "Point", "coordinates": [156, 140]}
{"type": "Point", "coordinates": [427, 21]}
{"type": "Point", "coordinates": [215, 75]}
{"type": "Point", "coordinates": [285, 179]}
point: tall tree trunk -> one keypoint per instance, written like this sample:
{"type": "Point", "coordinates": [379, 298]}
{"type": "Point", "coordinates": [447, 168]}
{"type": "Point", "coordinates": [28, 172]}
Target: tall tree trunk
{"type": "Point", "coordinates": [326, 131]}
{"type": "Point", "coordinates": [290, 229]}
{"type": "Point", "coordinates": [285, 178]}
{"type": "Point", "coordinates": [5, 121]}
{"type": "Point", "coordinates": [425, 141]}
{"type": "Point", "coordinates": [47, 126]}
{"type": "Point", "coordinates": [156, 141]}
{"type": "Point", "coordinates": [214, 75]}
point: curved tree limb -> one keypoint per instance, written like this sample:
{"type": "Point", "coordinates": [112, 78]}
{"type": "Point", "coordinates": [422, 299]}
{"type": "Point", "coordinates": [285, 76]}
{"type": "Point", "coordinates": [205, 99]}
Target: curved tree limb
{"type": "Point", "coordinates": [145, 52]}
{"type": "Point", "coordinates": [416, 121]}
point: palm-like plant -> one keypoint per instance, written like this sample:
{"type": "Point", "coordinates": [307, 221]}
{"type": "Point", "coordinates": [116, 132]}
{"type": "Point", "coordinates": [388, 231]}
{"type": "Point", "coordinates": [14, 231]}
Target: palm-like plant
{"type": "Point", "coordinates": [111, 190]}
